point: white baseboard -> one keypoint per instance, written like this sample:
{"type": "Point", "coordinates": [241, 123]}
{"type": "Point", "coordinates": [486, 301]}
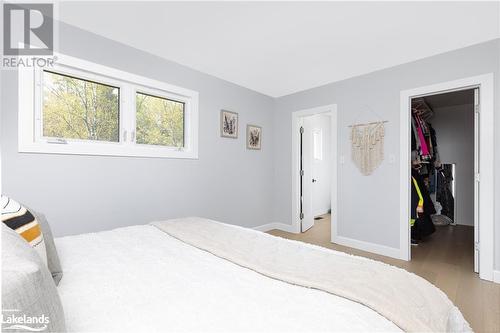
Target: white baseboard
{"type": "Point", "coordinates": [496, 276]}
{"type": "Point", "coordinates": [265, 227]}
{"type": "Point", "coordinates": [368, 247]}
{"type": "Point", "coordinates": [275, 225]}
{"type": "Point", "coordinates": [322, 211]}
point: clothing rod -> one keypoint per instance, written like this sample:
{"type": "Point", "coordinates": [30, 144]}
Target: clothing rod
{"type": "Point", "coordinates": [366, 124]}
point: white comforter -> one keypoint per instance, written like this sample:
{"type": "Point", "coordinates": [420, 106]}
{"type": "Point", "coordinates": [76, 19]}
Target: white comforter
{"type": "Point", "coordinates": [139, 279]}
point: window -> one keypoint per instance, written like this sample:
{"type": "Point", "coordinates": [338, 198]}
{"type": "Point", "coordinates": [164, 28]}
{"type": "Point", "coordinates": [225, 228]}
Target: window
{"type": "Point", "coordinates": [77, 107]}
{"type": "Point", "coordinates": [318, 144]}
{"type": "Point", "coordinates": [160, 121]}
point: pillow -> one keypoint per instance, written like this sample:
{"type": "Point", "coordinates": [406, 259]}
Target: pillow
{"type": "Point", "coordinates": [18, 218]}
{"type": "Point", "coordinates": [29, 224]}
{"type": "Point", "coordinates": [53, 262]}
{"type": "Point", "coordinates": [28, 291]}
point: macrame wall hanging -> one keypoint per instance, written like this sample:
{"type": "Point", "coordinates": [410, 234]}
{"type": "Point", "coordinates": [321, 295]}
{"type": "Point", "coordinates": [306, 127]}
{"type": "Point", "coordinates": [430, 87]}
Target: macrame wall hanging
{"type": "Point", "coordinates": [367, 149]}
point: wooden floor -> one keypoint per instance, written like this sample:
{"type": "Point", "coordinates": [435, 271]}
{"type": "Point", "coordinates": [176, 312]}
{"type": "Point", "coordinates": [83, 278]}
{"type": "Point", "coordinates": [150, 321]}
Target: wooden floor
{"type": "Point", "coordinates": [446, 259]}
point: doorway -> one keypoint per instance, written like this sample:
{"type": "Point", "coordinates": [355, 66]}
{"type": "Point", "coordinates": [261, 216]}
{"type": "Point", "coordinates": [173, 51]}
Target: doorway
{"type": "Point", "coordinates": [314, 166]}
{"type": "Point", "coordinates": [444, 155]}
{"type": "Point", "coordinates": [473, 189]}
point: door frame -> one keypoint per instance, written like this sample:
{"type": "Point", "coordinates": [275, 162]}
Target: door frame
{"type": "Point", "coordinates": [330, 109]}
{"type": "Point", "coordinates": [486, 164]}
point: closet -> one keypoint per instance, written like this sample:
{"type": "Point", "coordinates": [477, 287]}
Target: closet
{"type": "Point", "coordinates": [425, 163]}
{"type": "Point", "coordinates": [442, 163]}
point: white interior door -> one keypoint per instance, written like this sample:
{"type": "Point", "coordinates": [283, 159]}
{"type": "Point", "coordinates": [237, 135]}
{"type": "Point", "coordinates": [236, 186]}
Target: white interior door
{"type": "Point", "coordinates": [316, 187]}
{"type": "Point", "coordinates": [476, 180]}
{"type": "Point", "coordinates": [307, 216]}
{"type": "Point", "coordinates": [316, 173]}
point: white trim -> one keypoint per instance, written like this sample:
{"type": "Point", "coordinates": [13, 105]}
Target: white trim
{"type": "Point", "coordinates": [322, 211]}
{"type": "Point", "coordinates": [265, 227]}
{"type": "Point", "coordinates": [367, 246]}
{"type": "Point", "coordinates": [29, 116]}
{"type": "Point", "coordinates": [296, 115]}
{"type": "Point", "coordinates": [486, 162]}
{"type": "Point", "coordinates": [496, 276]}
{"type": "Point", "coordinates": [275, 225]}
{"type": "Point", "coordinates": [477, 107]}
{"type": "Point", "coordinates": [334, 209]}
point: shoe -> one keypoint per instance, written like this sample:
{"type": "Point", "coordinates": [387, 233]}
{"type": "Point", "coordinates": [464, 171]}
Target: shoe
{"type": "Point", "coordinates": [414, 242]}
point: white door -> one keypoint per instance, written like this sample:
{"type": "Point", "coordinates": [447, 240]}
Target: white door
{"type": "Point", "coordinates": [316, 174]}
{"type": "Point", "coordinates": [307, 217]}
{"type": "Point", "coordinates": [476, 180]}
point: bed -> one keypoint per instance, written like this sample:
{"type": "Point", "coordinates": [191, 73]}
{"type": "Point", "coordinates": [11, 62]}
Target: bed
{"type": "Point", "coordinates": [193, 275]}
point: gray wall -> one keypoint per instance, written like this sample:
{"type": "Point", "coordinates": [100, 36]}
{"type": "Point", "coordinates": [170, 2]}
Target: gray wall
{"type": "Point", "coordinates": [369, 206]}
{"type": "Point", "coordinates": [227, 182]}
{"type": "Point", "coordinates": [90, 193]}
{"type": "Point", "coordinates": [454, 127]}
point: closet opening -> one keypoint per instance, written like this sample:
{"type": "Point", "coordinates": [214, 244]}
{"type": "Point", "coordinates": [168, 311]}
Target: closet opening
{"type": "Point", "coordinates": [444, 184]}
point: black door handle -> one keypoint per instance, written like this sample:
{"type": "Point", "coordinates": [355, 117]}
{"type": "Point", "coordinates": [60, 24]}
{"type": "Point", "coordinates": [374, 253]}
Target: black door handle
{"type": "Point", "coordinates": [314, 180]}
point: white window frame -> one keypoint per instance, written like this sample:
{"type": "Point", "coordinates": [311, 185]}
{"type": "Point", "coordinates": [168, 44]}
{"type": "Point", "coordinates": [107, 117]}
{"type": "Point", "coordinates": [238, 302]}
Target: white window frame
{"type": "Point", "coordinates": [30, 90]}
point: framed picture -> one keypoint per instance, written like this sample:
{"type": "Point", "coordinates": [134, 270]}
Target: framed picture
{"type": "Point", "coordinates": [254, 137]}
{"type": "Point", "coordinates": [228, 124]}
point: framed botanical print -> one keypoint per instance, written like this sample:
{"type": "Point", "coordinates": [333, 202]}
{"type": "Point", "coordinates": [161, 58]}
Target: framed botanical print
{"type": "Point", "coordinates": [254, 137]}
{"type": "Point", "coordinates": [228, 124]}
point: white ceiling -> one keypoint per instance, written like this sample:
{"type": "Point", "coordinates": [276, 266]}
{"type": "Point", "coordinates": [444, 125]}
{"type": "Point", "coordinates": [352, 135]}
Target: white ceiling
{"type": "Point", "coordinates": [278, 48]}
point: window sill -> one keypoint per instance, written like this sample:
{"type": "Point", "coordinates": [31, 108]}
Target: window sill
{"type": "Point", "coordinates": [108, 149]}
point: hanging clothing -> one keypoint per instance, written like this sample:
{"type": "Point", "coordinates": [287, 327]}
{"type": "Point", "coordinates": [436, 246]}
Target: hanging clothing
{"type": "Point", "coordinates": [417, 200]}
{"type": "Point", "coordinates": [429, 208]}
{"type": "Point", "coordinates": [415, 144]}
{"type": "Point", "coordinates": [423, 138]}
{"type": "Point", "coordinates": [424, 151]}
{"type": "Point", "coordinates": [444, 195]}
{"type": "Point", "coordinates": [425, 145]}
{"type": "Point", "coordinates": [422, 224]}
{"type": "Point", "coordinates": [433, 137]}
{"type": "Point", "coordinates": [432, 181]}
{"type": "Point", "coordinates": [423, 227]}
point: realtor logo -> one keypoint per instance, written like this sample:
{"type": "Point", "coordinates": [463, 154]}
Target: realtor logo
{"type": "Point", "coordinates": [15, 320]}
{"type": "Point", "coordinates": [28, 29]}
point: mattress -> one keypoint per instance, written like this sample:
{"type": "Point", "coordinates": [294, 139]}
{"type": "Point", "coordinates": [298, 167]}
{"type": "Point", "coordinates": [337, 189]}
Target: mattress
{"type": "Point", "coordinates": [139, 279]}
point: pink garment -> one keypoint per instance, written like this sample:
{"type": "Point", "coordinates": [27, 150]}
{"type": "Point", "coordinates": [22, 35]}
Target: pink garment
{"type": "Point", "coordinates": [423, 143]}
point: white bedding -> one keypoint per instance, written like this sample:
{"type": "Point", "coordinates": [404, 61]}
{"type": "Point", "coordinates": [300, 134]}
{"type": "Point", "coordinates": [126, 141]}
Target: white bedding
{"type": "Point", "coordinates": [140, 279]}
